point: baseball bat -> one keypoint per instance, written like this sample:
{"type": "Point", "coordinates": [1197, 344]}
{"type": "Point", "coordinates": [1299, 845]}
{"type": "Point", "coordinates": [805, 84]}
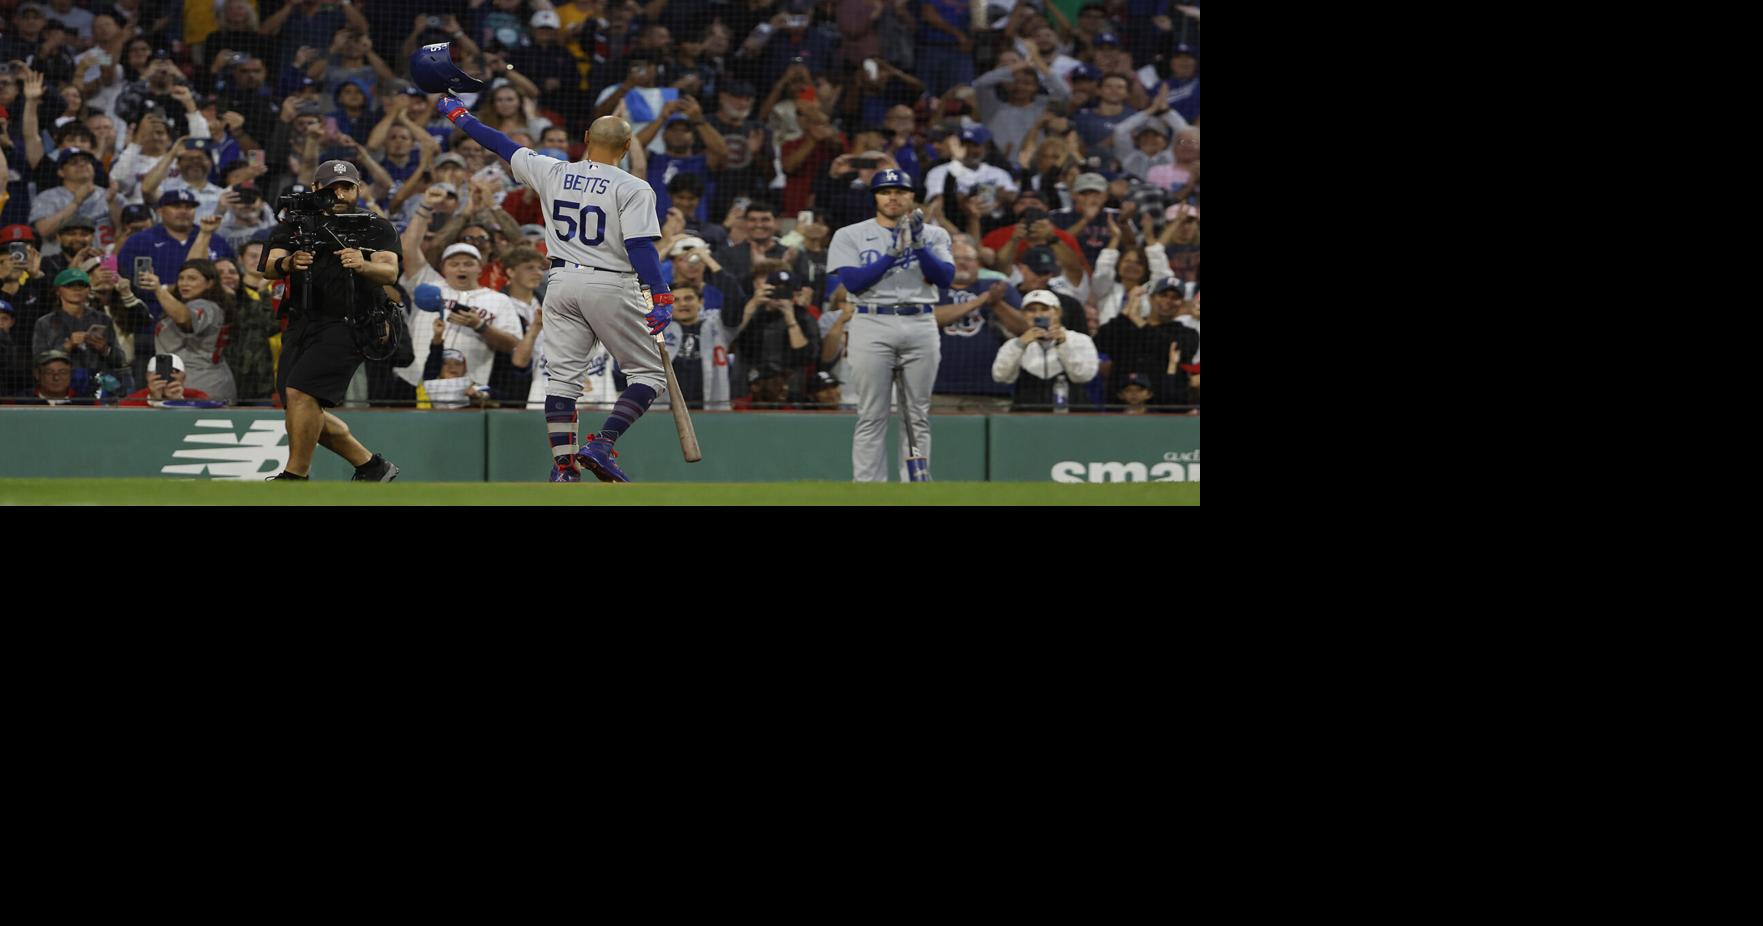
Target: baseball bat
{"type": "Point", "coordinates": [682, 419]}
{"type": "Point", "coordinates": [911, 440]}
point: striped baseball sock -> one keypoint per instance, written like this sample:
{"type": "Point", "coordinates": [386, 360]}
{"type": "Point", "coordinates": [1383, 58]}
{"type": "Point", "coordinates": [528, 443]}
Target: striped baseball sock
{"type": "Point", "coordinates": [560, 421]}
{"type": "Point", "coordinates": [631, 406]}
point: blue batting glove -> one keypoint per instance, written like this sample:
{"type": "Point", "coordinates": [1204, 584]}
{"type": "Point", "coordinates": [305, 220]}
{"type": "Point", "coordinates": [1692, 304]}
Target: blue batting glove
{"type": "Point", "coordinates": [659, 316]}
{"type": "Point", "coordinates": [452, 108]}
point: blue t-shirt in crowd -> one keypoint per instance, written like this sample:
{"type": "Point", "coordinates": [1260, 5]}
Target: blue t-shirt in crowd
{"type": "Point", "coordinates": [956, 13]}
{"type": "Point", "coordinates": [970, 344]}
{"type": "Point", "coordinates": [663, 167]}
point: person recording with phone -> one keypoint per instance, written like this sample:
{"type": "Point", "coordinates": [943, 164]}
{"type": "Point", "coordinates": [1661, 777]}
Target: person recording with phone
{"type": "Point", "coordinates": [166, 381]}
{"type": "Point", "coordinates": [336, 258]}
{"type": "Point", "coordinates": [83, 333]}
{"type": "Point", "coordinates": [1053, 359]}
{"type": "Point", "coordinates": [192, 315]}
{"type": "Point", "coordinates": [244, 213]}
{"type": "Point", "coordinates": [75, 238]}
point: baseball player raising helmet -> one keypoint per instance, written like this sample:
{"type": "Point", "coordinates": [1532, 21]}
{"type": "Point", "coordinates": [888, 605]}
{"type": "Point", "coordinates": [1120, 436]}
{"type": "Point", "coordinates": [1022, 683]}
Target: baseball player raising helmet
{"type": "Point", "coordinates": [892, 265]}
{"type": "Point", "coordinates": [601, 238]}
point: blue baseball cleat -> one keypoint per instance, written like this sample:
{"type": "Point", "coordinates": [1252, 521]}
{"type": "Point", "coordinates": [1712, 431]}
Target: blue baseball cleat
{"type": "Point", "coordinates": [597, 457]}
{"type": "Point", "coordinates": [561, 474]}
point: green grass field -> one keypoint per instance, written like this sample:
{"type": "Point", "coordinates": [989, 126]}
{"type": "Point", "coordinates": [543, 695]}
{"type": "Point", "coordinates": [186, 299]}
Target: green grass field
{"type": "Point", "coordinates": [181, 492]}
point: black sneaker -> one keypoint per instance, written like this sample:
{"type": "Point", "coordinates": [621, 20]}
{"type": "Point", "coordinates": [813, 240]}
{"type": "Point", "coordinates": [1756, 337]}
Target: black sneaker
{"type": "Point", "coordinates": [284, 474]}
{"type": "Point", "coordinates": [377, 469]}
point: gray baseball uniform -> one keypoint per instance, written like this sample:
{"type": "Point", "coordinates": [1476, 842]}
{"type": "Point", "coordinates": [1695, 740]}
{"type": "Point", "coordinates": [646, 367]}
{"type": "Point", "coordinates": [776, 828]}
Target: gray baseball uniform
{"type": "Point", "coordinates": [592, 295]}
{"type": "Point", "coordinates": [893, 330]}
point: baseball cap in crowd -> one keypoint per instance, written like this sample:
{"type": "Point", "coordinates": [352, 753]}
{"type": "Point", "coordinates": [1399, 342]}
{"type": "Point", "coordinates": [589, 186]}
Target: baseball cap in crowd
{"type": "Point", "coordinates": [135, 212]}
{"type": "Point", "coordinates": [7, 307]}
{"type": "Point", "coordinates": [331, 172]}
{"type": "Point", "coordinates": [688, 243]}
{"type": "Point", "coordinates": [737, 88]}
{"type": "Point", "coordinates": [453, 354]}
{"type": "Point", "coordinates": [72, 276]}
{"type": "Point", "coordinates": [177, 363]}
{"type": "Point", "coordinates": [49, 356]}
{"type": "Point", "coordinates": [450, 157]}
{"type": "Point", "coordinates": [1155, 125]}
{"type": "Point", "coordinates": [177, 197]}
{"type": "Point", "coordinates": [161, 54]}
{"type": "Point", "coordinates": [1182, 289]}
{"type": "Point", "coordinates": [546, 19]}
{"type": "Point", "coordinates": [1044, 297]}
{"type": "Point", "coordinates": [1106, 38]}
{"type": "Point", "coordinates": [13, 233]}
{"type": "Point", "coordinates": [202, 146]}
{"type": "Point", "coordinates": [975, 134]}
{"type": "Point", "coordinates": [1086, 72]}
{"type": "Point", "coordinates": [413, 91]}
{"type": "Point", "coordinates": [533, 232]}
{"type": "Point", "coordinates": [1088, 183]}
{"type": "Point", "coordinates": [1184, 48]}
{"type": "Point", "coordinates": [68, 154]}
{"type": "Point", "coordinates": [308, 83]}
{"type": "Point", "coordinates": [446, 188]}
{"type": "Point", "coordinates": [78, 221]}
{"type": "Point", "coordinates": [461, 248]}
{"type": "Point", "coordinates": [1040, 260]}
{"type": "Point", "coordinates": [1138, 379]}
{"type": "Point", "coordinates": [780, 276]}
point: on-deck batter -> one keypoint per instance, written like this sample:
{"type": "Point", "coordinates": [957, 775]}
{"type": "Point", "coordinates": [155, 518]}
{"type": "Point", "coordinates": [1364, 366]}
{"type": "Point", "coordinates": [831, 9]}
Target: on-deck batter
{"type": "Point", "coordinates": [601, 238]}
{"type": "Point", "coordinates": [892, 265]}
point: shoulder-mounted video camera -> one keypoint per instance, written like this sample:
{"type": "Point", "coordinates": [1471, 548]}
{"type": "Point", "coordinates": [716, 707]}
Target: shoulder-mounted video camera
{"type": "Point", "coordinates": [309, 203]}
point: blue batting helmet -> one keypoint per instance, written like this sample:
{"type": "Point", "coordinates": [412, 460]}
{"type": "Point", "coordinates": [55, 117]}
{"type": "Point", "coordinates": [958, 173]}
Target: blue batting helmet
{"type": "Point", "coordinates": [432, 69]}
{"type": "Point", "coordinates": [889, 178]}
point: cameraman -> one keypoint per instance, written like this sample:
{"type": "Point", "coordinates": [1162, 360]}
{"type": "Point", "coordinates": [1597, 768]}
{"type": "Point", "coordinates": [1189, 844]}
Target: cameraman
{"type": "Point", "coordinates": [319, 352]}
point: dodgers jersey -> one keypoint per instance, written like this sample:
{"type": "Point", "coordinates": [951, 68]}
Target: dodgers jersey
{"type": "Point", "coordinates": [904, 283]}
{"type": "Point", "coordinates": [589, 208]}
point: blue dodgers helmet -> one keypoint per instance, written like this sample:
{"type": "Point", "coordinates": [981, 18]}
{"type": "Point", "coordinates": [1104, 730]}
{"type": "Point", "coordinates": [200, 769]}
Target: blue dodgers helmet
{"type": "Point", "coordinates": [883, 179]}
{"type": "Point", "coordinates": [432, 69]}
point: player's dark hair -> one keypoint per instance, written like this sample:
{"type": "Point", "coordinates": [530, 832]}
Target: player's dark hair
{"type": "Point", "coordinates": [687, 182]}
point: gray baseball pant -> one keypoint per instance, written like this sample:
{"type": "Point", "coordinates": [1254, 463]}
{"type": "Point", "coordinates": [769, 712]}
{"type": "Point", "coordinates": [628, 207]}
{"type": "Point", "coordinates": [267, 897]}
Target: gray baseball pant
{"type": "Point", "coordinates": [585, 307]}
{"type": "Point", "coordinates": [878, 346]}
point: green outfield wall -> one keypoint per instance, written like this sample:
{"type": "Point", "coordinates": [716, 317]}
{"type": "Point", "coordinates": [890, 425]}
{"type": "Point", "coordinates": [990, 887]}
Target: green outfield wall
{"type": "Point", "coordinates": [510, 446]}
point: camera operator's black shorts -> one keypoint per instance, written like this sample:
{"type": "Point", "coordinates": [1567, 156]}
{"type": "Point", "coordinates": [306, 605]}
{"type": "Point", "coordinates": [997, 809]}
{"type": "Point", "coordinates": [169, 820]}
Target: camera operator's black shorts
{"type": "Point", "coordinates": [319, 358]}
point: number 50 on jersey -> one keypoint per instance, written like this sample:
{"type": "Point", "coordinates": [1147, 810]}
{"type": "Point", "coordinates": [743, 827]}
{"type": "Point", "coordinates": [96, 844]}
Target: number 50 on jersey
{"type": "Point", "coordinates": [572, 217]}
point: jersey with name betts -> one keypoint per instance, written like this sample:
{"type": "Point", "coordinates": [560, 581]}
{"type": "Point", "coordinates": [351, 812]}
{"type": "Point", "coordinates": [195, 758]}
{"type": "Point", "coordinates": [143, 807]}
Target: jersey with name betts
{"type": "Point", "coordinates": [904, 284]}
{"type": "Point", "coordinates": [589, 208]}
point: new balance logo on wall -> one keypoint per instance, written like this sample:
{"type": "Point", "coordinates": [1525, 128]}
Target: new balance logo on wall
{"type": "Point", "coordinates": [263, 451]}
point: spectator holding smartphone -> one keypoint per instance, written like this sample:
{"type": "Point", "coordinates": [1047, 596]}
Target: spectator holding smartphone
{"type": "Point", "coordinates": [84, 334]}
{"type": "Point", "coordinates": [1054, 359]}
{"type": "Point", "coordinates": [165, 382]}
{"type": "Point", "coordinates": [191, 324]}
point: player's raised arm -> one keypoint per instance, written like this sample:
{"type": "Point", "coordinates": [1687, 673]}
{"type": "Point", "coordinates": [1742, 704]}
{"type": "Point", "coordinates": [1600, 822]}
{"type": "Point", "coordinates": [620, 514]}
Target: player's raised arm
{"type": "Point", "coordinates": [455, 111]}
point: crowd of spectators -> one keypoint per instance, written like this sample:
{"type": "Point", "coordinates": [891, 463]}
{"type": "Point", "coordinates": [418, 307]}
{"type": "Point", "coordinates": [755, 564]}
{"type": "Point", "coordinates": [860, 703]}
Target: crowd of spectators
{"type": "Point", "coordinates": [145, 143]}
